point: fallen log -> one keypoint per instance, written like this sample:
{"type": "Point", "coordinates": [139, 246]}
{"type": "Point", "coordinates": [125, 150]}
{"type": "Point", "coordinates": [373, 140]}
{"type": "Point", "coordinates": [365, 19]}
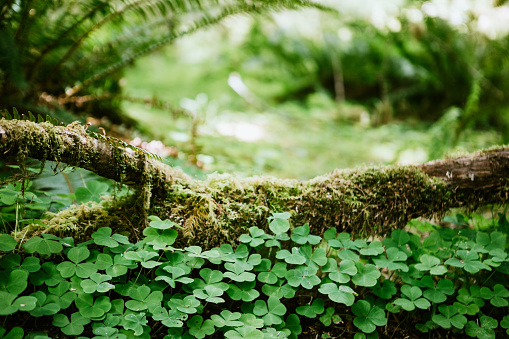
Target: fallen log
{"type": "Point", "coordinates": [368, 202]}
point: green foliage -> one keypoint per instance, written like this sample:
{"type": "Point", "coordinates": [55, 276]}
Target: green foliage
{"type": "Point", "coordinates": [118, 289]}
{"type": "Point", "coordinates": [22, 205]}
{"type": "Point", "coordinates": [410, 72]}
{"type": "Point", "coordinates": [55, 50]}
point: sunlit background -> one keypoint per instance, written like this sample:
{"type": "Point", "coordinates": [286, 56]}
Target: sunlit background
{"type": "Point", "coordinates": [299, 93]}
{"type": "Point", "coordinates": [266, 88]}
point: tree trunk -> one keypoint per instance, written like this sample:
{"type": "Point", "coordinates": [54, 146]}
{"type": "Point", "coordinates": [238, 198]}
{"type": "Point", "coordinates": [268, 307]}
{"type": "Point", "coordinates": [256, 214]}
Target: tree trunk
{"type": "Point", "coordinates": [366, 202]}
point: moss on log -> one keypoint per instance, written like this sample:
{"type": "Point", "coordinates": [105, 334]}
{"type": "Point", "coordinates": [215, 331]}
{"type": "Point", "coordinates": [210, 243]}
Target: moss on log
{"type": "Point", "coordinates": [367, 202]}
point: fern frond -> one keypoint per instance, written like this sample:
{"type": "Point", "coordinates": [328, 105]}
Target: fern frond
{"type": "Point", "coordinates": [29, 117]}
{"type": "Point", "coordinates": [208, 18]}
{"type": "Point", "coordinates": [56, 42]}
{"type": "Point", "coordinates": [138, 5]}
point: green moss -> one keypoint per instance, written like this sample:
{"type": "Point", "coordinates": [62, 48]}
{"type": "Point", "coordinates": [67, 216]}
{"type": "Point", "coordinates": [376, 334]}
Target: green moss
{"type": "Point", "coordinates": [78, 222]}
{"type": "Point", "coordinates": [367, 202]}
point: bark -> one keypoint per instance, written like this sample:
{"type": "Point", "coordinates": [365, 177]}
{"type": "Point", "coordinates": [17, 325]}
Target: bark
{"type": "Point", "coordinates": [372, 201]}
{"type": "Point", "coordinates": [73, 146]}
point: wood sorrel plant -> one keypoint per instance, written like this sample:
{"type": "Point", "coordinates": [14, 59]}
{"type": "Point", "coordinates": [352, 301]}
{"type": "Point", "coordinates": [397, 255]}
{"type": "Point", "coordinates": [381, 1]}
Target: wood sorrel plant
{"type": "Point", "coordinates": [454, 280]}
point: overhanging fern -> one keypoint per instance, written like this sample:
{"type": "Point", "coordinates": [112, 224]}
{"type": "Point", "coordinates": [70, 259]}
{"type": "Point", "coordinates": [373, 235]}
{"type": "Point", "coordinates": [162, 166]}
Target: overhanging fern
{"type": "Point", "coordinates": [60, 48]}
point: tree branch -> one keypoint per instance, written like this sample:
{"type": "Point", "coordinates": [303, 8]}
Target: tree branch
{"type": "Point", "coordinates": [373, 201]}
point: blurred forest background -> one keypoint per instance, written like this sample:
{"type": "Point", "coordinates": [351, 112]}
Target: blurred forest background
{"type": "Point", "coordinates": [293, 89]}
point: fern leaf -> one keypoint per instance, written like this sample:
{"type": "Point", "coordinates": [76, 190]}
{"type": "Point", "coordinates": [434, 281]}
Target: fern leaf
{"type": "Point", "coordinates": [7, 115]}
{"type": "Point", "coordinates": [15, 113]}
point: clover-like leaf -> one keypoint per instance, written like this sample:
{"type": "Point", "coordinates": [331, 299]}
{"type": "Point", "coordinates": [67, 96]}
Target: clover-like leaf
{"type": "Point", "coordinates": [249, 319]}
{"type": "Point", "coordinates": [271, 312]}
{"type": "Point", "coordinates": [143, 299]}
{"type": "Point", "coordinates": [45, 304]}
{"type": "Point", "coordinates": [366, 276]}
{"type": "Point", "coordinates": [346, 270]}
{"type": "Point", "coordinates": [301, 236]}
{"type": "Point", "coordinates": [412, 298]}
{"type": "Point", "coordinates": [160, 237]}
{"type": "Point", "coordinates": [73, 327]}
{"type": "Point", "coordinates": [107, 332]}
{"type": "Point", "coordinates": [92, 192]}
{"type": "Point", "coordinates": [244, 291]}
{"type": "Point", "coordinates": [90, 308]}
{"type": "Point", "coordinates": [78, 254]}
{"type": "Point", "coordinates": [329, 317]}
{"type": "Point", "coordinates": [368, 317]}
{"type": "Point", "coordinates": [9, 304]}
{"type": "Point", "coordinates": [469, 261]}
{"type": "Point", "coordinates": [16, 282]}
{"type": "Point", "coordinates": [42, 246]}
{"type": "Point", "coordinates": [246, 332]}
{"type": "Point", "coordinates": [266, 275]}
{"type": "Point", "coordinates": [280, 290]}
{"type": "Point", "coordinates": [318, 257]}
{"type": "Point", "coordinates": [432, 264]}
{"type": "Point", "coordinates": [48, 274]}
{"type": "Point", "coordinates": [438, 294]}
{"type": "Point", "coordinates": [374, 248]}
{"type": "Point", "coordinates": [339, 294]}
{"type": "Point", "coordinates": [103, 236]}
{"type": "Point", "coordinates": [497, 297]}
{"type": "Point", "coordinates": [385, 290]}
{"type": "Point", "coordinates": [14, 333]}
{"type": "Point", "coordinates": [272, 333]}
{"type": "Point", "coordinates": [279, 223]}
{"type": "Point", "coordinates": [63, 293]}
{"type": "Point", "coordinates": [199, 328]}
{"type": "Point", "coordinates": [226, 318]}
{"type": "Point", "coordinates": [398, 239]}
{"type": "Point", "coordinates": [114, 266]}
{"type": "Point", "coordinates": [188, 304]}
{"type": "Point", "coordinates": [211, 276]}
{"type": "Point", "coordinates": [75, 266]}
{"type": "Point", "coordinates": [169, 318]}
{"type": "Point", "coordinates": [347, 254]}
{"type": "Point", "coordinates": [236, 272]}
{"type": "Point", "coordinates": [304, 276]}
{"type": "Point", "coordinates": [256, 237]}
{"type": "Point", "coordinates": [135, 322]}
{"type": "Point", "coordinates": [7, 243]}
{"type": "Point", "coordinates": [210, 293]}
{"type": "Point", "coordinates": [311, 311]}
{"type": "Point", "coordinates": [504, 323]}
{"type": "Point", "coordinates": [449, 317]}
{"type": "Point", "coordinates": [338, 241]}
{"type": "Point", "coordinates": [294, 257]}
{"type": "Point", "coordinates": [395, 260]}
{"type": "Point", "coordinates": [177, 275]}
{"type": "Point", "coordinates": [97, 283]}
{"type": "Point", "coordinates": [157, 223]}
{"type": "Point", "coordinates": [12, 262]}
{"type": "Point", "coordinates": [143, 257]}
{"type": "Point", "coordinates": [483, 331]}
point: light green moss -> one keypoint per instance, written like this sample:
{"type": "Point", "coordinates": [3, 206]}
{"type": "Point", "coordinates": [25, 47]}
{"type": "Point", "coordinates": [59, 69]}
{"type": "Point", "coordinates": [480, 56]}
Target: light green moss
{"type": "Point", "coordinates": [366, 202]}
{"type": "Point", "coordinates": [78, 222]}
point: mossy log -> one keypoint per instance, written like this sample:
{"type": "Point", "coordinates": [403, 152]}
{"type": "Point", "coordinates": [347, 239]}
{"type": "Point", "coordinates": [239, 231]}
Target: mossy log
{"type": "Point", "coordinates": [367, 202]}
